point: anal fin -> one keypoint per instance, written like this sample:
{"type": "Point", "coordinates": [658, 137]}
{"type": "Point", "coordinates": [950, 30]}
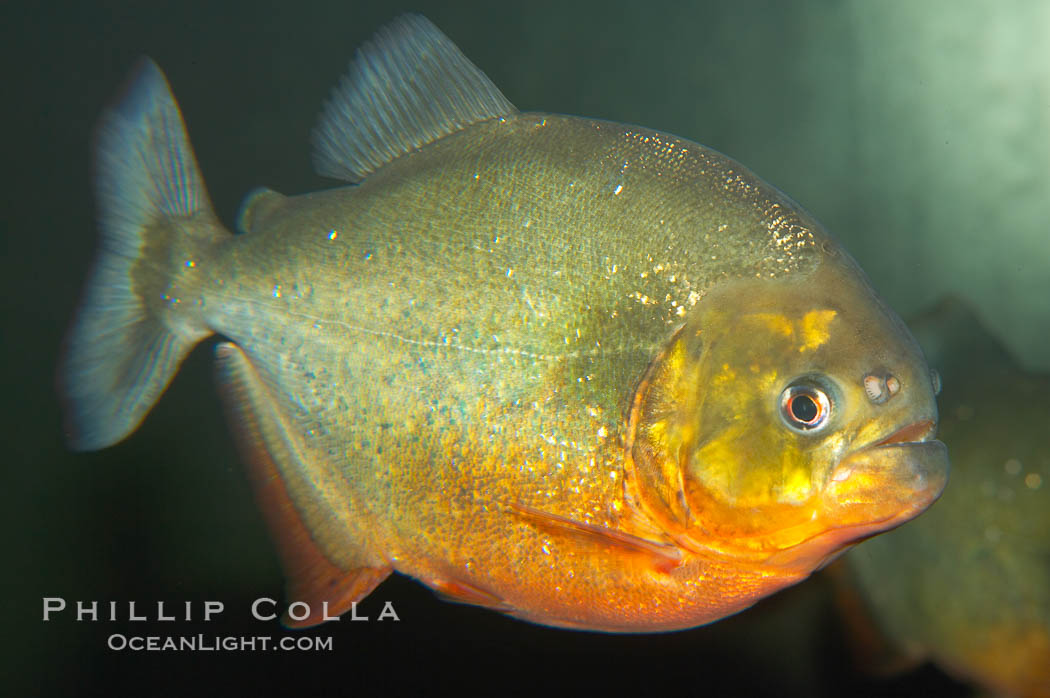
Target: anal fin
{"type": "Point", "coordinates": [311, 576]}
{"type": "Point", "coordinates": [663, 556]}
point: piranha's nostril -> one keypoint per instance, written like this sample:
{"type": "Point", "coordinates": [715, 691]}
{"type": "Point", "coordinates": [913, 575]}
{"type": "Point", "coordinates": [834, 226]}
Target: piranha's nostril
{"type": "Point", "coordinates": [875, 388]}
{"type": "Point", "coordinates": [880, 387]}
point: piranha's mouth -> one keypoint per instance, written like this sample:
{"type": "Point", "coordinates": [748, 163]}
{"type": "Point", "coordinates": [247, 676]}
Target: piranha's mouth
{"type": "Point", "coordinates": [913, 433]}
{"type": "Point", "coordinates": [908, 468]}
{"type": "Point", "coordinates": [873, 489]}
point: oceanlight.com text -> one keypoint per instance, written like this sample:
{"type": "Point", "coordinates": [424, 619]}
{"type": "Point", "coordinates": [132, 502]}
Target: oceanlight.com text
{"type": "Point", "coordinates": [217, 643]}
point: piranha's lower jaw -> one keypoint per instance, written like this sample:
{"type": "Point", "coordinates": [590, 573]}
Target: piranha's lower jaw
{"type": "Point", "coordinates": [871, 491]}
{"type": "Point", "coordinates": [887, 480]}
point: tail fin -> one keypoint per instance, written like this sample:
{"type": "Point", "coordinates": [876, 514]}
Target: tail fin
{"type": "Point", "coordinates": [141, 311]}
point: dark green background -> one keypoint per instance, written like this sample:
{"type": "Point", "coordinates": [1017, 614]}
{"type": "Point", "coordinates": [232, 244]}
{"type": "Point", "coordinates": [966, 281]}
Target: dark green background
{"type": "Point", "coordinates": [830, 101]}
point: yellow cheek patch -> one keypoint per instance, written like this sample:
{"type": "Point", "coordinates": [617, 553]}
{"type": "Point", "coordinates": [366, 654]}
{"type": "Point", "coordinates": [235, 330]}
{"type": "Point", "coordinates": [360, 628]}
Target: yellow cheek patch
{"type": "Point", "coordinates": [719, 459]}
{"type": "Point", "coordinates": [749, 469]}
{"type": "Point", "coordinates": [815, 328]}
{"type": "Point", "coordinates": [798, 485]}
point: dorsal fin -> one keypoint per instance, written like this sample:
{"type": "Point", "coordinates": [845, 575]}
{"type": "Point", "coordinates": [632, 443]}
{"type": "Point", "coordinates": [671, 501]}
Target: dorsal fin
{"type": "Point", "coordinates": [407, 87]}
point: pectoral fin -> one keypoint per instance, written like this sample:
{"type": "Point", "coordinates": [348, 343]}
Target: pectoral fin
{"type": "Point", "coordinates": [462, 592]}
{"type": "Point", "coordinates": [261, 434]}
{"type": "Point", "coordinates": [663, 556]}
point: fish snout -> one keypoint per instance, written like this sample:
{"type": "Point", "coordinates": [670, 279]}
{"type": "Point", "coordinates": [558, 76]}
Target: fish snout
{"type": "Point", "coordinates": [894, 478]}
{"type": "Point", "coordinates": [871, 491]}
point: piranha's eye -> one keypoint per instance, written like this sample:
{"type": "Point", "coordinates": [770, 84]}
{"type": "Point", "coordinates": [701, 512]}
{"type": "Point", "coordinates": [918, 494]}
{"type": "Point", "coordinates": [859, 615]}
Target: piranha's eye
{"type": "Point", "coordinates": [805, 407]}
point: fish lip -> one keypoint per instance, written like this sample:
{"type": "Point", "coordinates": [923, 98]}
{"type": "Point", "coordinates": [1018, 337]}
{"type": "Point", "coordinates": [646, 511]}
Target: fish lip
{"type": "Point", "coordinates": [916, 432]}
{"type": "Point", "coordinates": [911, 435]}
{"type": "Point", "coordinates": [907, 472]}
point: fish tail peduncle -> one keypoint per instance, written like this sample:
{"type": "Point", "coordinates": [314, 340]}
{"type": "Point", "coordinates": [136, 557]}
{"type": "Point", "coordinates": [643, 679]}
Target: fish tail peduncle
{"type": "Point", "coordinates": [141, 310]}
